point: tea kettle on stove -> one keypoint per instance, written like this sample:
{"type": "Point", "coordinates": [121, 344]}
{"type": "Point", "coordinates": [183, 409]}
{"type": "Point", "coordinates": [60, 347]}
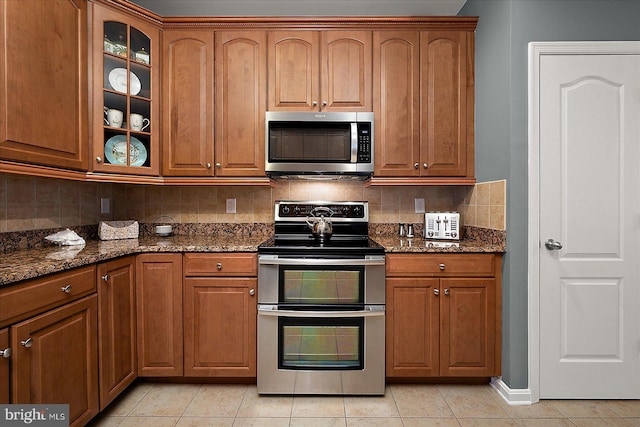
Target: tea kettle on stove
{"type": "Point", "coordinates": [319, 223]}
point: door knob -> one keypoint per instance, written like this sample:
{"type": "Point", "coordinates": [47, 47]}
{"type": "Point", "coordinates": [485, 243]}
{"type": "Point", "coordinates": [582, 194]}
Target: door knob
{"type": "Point", "coordinates": [6, 353]}
{"type": "Point", "coordinates": [66, 289]}
{"type": "Point", "coordinates": [27, 343]}
{"type": "Point", "coordinates": [552, 245]}
{"type": "Point", "coordinates": [252, 292]}
{"type": "Point", "coordinates": [416, 165]}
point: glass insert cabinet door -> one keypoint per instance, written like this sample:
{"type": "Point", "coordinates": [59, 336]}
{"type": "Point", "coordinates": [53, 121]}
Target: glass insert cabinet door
{"type": "Point", "coordinates": [125, 109]}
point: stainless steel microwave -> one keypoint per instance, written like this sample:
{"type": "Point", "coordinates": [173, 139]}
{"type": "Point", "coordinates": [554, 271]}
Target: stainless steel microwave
{"type": "Point", "coordinates": [333, 143]}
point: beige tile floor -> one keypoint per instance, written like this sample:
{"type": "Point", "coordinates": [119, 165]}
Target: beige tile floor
{"type": "Point", "coordinates": [210, 405]}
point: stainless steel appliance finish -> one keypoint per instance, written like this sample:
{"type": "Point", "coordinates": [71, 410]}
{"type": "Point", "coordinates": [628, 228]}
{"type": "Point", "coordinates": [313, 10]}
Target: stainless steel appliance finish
{"type": "Point", "coordinates": [442, 225]}
{"type": "Point", "coordinates": [333, 143]}
{"type": "Point", "coordinates": [321, 305]}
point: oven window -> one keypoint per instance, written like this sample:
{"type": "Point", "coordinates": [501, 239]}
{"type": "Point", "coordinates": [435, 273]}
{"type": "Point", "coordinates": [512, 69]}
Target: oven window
{"type": "Point", "coordinates": [330, 286]}
{"type": "Point", "coordinates": [321, 344]}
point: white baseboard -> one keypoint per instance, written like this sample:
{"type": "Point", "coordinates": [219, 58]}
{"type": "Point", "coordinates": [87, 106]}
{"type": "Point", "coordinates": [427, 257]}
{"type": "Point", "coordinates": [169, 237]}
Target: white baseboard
{"type": "Point", "coordinates": [513, 397]}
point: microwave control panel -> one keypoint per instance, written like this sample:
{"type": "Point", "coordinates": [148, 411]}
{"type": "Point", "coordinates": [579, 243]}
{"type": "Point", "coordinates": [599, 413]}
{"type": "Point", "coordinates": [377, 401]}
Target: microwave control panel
{"type": "Point", "coordinates": [364, 143]}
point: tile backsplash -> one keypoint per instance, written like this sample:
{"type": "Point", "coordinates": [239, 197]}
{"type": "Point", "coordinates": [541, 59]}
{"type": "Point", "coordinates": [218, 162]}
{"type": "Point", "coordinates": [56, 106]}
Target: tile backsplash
{"type": "Point", "coordinates": [29, 203]}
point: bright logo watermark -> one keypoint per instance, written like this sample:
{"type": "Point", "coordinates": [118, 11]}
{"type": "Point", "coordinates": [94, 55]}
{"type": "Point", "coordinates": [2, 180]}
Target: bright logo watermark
{"type": "Point", "coordinates": [34, 415]}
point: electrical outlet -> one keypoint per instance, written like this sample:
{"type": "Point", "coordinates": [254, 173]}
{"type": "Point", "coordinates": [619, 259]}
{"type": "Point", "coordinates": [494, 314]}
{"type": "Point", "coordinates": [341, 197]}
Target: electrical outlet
{"type": "Point", "coordinates": [419, 205]}
{"type": "Point", "coordinates": [231, 205]}
{"type": "Point", "coordinates": [105, 205]}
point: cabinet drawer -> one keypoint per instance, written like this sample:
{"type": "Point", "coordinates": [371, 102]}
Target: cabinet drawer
{"type": "Point", "coordinates": [36, 296]}
{"type": "Point", "coordinates": [475, 265]}
{"type": "Point", "coordinates": [220, 264]}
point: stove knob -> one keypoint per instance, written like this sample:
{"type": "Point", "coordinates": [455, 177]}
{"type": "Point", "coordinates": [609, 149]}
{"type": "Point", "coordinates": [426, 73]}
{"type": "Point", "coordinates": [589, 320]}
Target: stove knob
{"type": "Point", "coordinates": [296, 210]}
{"type": "Point", "coordinates": [357, 211]}
{"type": "Point", "coordinates": [285, 210]}
{"type": "Point", "coordinates": [430, 234]}
{"type": "Point", "coordinates": [454, 234]}
{"type": "Point", "coordinates": [345, 210]}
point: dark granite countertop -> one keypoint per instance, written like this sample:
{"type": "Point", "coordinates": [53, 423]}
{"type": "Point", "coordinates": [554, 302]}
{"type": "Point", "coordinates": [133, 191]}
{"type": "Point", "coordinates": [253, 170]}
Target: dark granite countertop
{"type": "Point", "coordinates": [30, 263]}
{"type": "Point", "coordinates": [395, 244]}
{"type": "Point", "coordinates": [39, 261]}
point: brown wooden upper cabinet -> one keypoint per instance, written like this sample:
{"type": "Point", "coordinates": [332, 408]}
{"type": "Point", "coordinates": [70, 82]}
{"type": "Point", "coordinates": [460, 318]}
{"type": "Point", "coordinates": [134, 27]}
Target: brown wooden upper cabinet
{"type": "Point", "coordinates": [187, 103]}
{"type": "Point", "coordinates": [126, 80]}
{"type": "Point", "coordinates": [424, 91]}
{"type": "Point", "coordinates": [43, 83]}
{"type": "Point", "coordinates": [214, 135]}
{"type": "Point", "coordinates": [320, 71]}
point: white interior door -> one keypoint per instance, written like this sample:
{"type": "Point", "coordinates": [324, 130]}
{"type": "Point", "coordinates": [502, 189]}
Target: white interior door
{"type": "Point", "coordinates": [589, 225]}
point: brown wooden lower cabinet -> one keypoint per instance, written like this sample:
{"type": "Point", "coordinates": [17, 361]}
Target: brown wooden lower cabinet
{"type": "Point", "coordinates": [439, 325]}
{"type": "Point", "coordinates": [55, 359]}
{"type": "Point", "coordinates": [220, 327]}
{"type": "Point", "coordinates": [116, 327]}
{"type": "Point", "coordinates": [5, 353]}
{"type": "Point", "coordinates": [159, 314]}
{"type": "Point", "coordinates": [220, 314]}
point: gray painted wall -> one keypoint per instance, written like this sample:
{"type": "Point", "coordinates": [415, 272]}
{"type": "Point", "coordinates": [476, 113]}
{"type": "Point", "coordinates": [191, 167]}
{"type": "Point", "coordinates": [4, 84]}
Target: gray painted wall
{"type": "Point", "coordinates": [504, 30]}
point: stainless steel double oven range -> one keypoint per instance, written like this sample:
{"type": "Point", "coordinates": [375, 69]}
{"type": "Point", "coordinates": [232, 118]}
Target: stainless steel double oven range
{"type": "Point", "coordinates": [321, 302]}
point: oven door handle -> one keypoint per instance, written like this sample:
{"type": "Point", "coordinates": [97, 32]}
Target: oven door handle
{"type": "Point", "coordinates": [369, 311]}
{"type": "Point", "coordinates": [276, 260]}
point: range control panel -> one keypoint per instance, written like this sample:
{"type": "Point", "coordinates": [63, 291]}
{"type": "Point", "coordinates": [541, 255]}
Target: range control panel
{"type": "Point", "coordinates": [294, 210]}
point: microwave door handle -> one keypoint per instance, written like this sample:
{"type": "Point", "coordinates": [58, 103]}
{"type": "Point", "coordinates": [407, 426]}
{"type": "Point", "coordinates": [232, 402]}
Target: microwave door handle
{"type": "Point", "coordinates": [369, 311]}
{"type": "Point", "coordinates": [354, 142]}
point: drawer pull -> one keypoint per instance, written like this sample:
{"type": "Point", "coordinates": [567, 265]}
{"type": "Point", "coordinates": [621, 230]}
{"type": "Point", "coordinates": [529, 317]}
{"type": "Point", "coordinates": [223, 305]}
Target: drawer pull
{"type": "Point", "coordinates": [219, 266]}
{"type": "Point", "coordinates": [441, 266]}
{"type": "Point", "coordinates": [436, 292]}
{"type": "Point", "coordinates": [6, 353]}
{"type": "Point", "coordinates": [66, 289]}
{"type": "Point", "coordinates": [446, 291]}
{"type": "Point", "coordinates": [252, 292]}
{"type": "Point", "coordinates": [105, 277]}
{"type": "Point", "coordinates": [27, 343]}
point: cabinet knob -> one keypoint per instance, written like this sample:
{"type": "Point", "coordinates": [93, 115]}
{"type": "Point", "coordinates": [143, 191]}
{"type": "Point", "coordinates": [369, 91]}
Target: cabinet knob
{"type": "Point", "coordinates": [208, 165]}
{"type": "Point", "coordinates": [425, 165]}
{"type": "Point", "coordinates": [218, 165]}
{"type": "Point", "coordinates": [66, 289]}
{"type": "Point", "coordinates": [446, 291]}
{"type": "Point", "coordinates": [105, 277]}
{"type": "Point", "coordinates": [99, 159]}
{"type": "Point", "coordinates": [441, 266]}
{"type": "Point", "coordinates": [436, 292]}
{"type": "Point", "coordinates": [324, 103]}
{"type": "Point", "coordinates": [27, 343]}
{"type": "Point", "coordinates": [252, 292]}
{"type": "Point", "coordinates": [314, 103]}
{"type": "Point", "coordinates": [6, 353]}
{"type": "Point", "coordinates": [416, 165]}
{"type": "Point", "coordinates": [219, 266]}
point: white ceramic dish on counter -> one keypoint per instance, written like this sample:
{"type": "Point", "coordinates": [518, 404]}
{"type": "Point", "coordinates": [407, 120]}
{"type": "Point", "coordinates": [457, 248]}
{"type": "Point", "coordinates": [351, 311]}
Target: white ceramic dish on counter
{"type": "Point", "coordinates": [163, 230]}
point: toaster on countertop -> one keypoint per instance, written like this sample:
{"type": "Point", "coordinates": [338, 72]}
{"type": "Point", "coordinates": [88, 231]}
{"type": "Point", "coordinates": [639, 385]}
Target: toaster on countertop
{"type": "Point", "coordinates": [442, 225]}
